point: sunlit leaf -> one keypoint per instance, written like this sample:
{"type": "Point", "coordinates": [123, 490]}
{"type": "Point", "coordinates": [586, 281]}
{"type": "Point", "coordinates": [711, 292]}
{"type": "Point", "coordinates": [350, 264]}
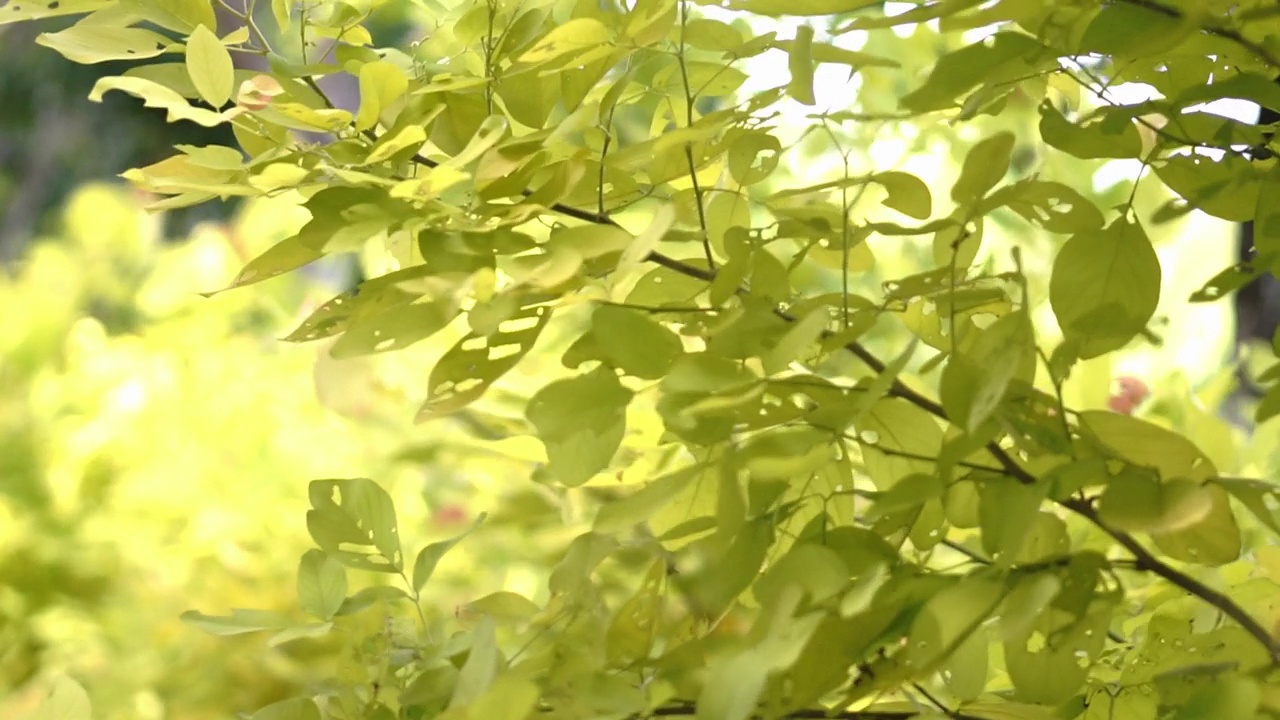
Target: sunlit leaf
{"type": "Point", "coordinates": [1105, 287]}
{"type": "Point", "coordinates": [209, 65]}
{"type": "Point", "coordinates": [355, 522]}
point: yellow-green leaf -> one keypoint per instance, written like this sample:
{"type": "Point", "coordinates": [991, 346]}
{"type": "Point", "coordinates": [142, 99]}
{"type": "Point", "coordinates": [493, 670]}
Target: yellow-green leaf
{"type": "Point", "coordinates": [381, 84]}
{"type": "Point", "coordinates": [577, 34]}
{"type": "Point", "coordinates": [89, 43]}
{"type": "Point", "coordinates": [800, 62]}
{"type": "Point", "coordinates": [209, 65]}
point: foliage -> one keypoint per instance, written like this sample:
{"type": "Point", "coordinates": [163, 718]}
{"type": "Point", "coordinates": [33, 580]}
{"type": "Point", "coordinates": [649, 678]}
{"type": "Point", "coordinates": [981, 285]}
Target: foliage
{"type": "Point", "coordinates": [136, 418]}
{"type": "Point", "coordinates": [816, 515]}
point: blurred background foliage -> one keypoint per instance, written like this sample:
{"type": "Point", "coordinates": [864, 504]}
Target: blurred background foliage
{"type": "Point", "coordinates": [155, 445]}
{"type": "Point", "coordinates": [154, 452]}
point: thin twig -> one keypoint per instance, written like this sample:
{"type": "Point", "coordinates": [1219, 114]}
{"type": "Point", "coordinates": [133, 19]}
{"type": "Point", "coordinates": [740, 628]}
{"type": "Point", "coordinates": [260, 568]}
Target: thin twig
{"type": "Point", "coordinates": [688, 147]}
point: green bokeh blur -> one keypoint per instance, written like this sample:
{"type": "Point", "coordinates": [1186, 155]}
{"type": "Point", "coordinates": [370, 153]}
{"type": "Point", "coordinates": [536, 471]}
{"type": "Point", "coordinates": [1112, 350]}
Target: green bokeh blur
{"type": "Point", "coordinates": [155, 449]}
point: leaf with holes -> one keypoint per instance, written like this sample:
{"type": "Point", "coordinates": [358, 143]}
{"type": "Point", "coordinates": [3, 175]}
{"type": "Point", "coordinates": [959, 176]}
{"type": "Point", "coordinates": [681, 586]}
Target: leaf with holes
{"type": "Point", "coordinates": [394, 329]}
{"type": "Point", "coordinates": [355, 522]}
{"type": "Point", "coordinates": [477, 361]}
{"type": "Point", "coordinates": [1053, 206]}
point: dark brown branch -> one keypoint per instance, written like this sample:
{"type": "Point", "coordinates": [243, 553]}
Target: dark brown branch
{"type": "Point", "coordinates": [1145, 561]}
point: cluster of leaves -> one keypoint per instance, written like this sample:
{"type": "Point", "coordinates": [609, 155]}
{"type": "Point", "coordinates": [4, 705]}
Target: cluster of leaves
{"type": "Point", "coordinates": [827, 524]}
{"type": "Point", "coordinates": [117, 513]}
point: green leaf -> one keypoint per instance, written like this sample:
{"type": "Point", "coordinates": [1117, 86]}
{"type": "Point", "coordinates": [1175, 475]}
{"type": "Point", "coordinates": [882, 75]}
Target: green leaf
{"type": "Point", "coordinates": [1053, 206]}
{"type": "Point", "coordinates": [209, 65]}
{"type": "Point", "coordinates": [1132, 31]}
{"type": "Point", "coordinates": [984, 166]}
{"type": "Point", "coordinates": [1145, 444]}
{"type": "Point", "coordinates": [753, 156]}
{"type": "Point", "coordinates": [634, 343]}
{"type": "Point", "coordinates": [239, 622]}
{"type": "Point", "coordinates": [392, 143]}
{"type": "Point", "coordinates": [1227, 698]}
{"type": "Point", "coordinates": [381, 85]}
{"type": "Point", "coordinates": [641, 504]}
{"type": "Point", "coordinates": [20, 12]}
{"type": "Point", "coordinates": [962, 70]}
{"type": "Point", "coordinates": [1227, 188]}
{"type": "Point", "coordinates": [1050, 661]}
{"type": "Point", "coordinates": [292, 709]}
{"type": "Point", "coordinates": [155, 95]}
{"type": "Point", "coordinates": [905, 432]}
{"type": "Point", "coordinates": [425, 564]}
{"type": "Point", "coordinates": [1105, 134]}
{"type": "Point", "coordinates": [476, 362]}
{"type": "Point", "coordinates": [576, 35]}
{"type": "Point", "coordinates": [908, 194]}
{"type": "Point", "coordinates": [181, 16]}
{"type": "Point", "coordinates": [734, 687]}
{"type": "Point", "coordinates": [816, 570]}
{"type": "Point", "coordinates": [393, 329]}
{"type": "Point", "coordinates": [719, 583]}
{"type": "Point", "coordinates": [503, 607]}
{"type": "Point", "coordinates": [322, 584]}
{"type": "Point", "coordinates": [89, 43]}
{"type": "Point", "coordinates": [581, 422]}
{"type": "Point", "coordinates": [949, 618]}
{"type": "Point", "coordinates": [1105, 287]}
{"type": "Point", "coordinates": [798, 342]}
{"type": "Point", "coordinates": [800, 62]}
{"type": "Point", "coordinates": [355, 522]}
{"type": "Point", "coordinates": [1214, 540]}
{"type": "Point", "coordinates": [1006, 515]}
{"type": "Point", "coordinates": [1137, 501]}
{"type": "Point", "coordinates": [977, 378]}
{"type": "Point", "coordinates": [803, 8]}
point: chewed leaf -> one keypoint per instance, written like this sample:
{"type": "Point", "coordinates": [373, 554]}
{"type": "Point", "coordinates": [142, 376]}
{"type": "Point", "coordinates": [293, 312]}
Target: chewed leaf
{"type": "Point", "coordinates": [328, 320]}
{"type": "Point", "coordinates": [477, 361]}
{"type": "Point", "coordinates": [88, 43]}
{"type": "Point", "coordinates": [17, 11]}
{"type": "Point", "coordinates": [395, 329]}
{"type": "Point", "coordinates": [354, 521]}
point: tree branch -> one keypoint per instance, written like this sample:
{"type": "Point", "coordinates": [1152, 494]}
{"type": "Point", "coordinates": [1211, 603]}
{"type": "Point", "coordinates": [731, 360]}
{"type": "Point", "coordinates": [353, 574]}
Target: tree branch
{"type": "Point", "coordinates": [1144, 559]}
